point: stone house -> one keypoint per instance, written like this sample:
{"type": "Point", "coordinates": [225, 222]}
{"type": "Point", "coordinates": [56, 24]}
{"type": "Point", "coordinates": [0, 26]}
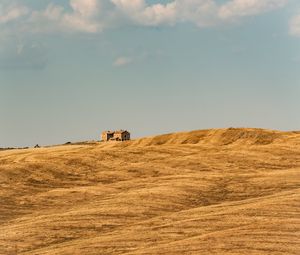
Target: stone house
{"type": "Point", "coordinates": [120, 135]}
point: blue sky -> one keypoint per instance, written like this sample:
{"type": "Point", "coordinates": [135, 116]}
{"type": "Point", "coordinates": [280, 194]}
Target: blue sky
{"type": "Point", "coordinates": [70, 69]}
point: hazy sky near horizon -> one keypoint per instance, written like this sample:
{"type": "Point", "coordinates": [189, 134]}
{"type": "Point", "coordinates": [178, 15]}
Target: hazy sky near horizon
{"type": "Point", "coordinates": [70, 69]}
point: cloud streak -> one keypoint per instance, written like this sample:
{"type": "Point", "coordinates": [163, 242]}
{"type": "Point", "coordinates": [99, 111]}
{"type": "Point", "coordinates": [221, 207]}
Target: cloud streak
{"type": "Point", "coordinates": [82, 18]}
{"type": "Point", "coordinates": [122, 61]}
{"type": "Point", "coordinates": [18, 55]}
{"type": "Point", "coordinates": [295, 26]}
{"type": "Point", "coordinates": [203, 13]}
{"type": "Point", "coordinates": [93, 16]}
{"type": "Point", "coordinates": [241, 8]}
{"type": "Point", "coordinates": [12, 12]}
{"type": "Point", "coordinates": [139, 13]}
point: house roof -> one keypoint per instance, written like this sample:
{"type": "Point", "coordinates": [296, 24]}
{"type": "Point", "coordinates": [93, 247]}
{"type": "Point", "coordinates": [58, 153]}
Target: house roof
{"type": "Point", "coordinates": [121, 131]}
{"type": "Point", "coordinates": [115, 132]}
{"type": "Point", "coordinates": [108, 132]}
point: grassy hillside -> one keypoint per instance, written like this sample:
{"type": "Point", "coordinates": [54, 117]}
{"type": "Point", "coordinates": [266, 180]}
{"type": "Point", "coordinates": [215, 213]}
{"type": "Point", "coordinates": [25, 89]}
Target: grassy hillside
{"type": "Point", "coordinates": [223, 191]}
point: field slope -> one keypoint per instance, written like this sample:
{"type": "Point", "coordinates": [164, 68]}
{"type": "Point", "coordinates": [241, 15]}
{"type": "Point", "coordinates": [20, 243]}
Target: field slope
{"type": "Point", "coordinates": [220, 191]}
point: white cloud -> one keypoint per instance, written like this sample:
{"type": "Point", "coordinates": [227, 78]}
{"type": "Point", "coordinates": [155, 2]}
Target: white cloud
{"type": "Point", "coordinates": [122, 61]}
{"type": "Point", "coordinates": [153, 15]}
{"type": "Point", "coordinates": [83, 18]}
{"type": "Point", "coordinates": [129, 6]}
{"type": "Point", "coordinates": [201, 12]}
{"type": "Point", "coordinates": [241, 8]}
{"type": "Point", "coordinates": [12, 12]}
{"type": "Point", "coordinates": [158, 14]}
{"type": "Point", "coordinates": [85, 8]}
{"type": "Point", "coordinates": [295, 26]}
{"type": "Point", "coordinates": [92, 16]}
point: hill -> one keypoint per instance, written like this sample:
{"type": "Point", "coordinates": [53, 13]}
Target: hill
{"type": "Point", "coordinates": [223, 191]}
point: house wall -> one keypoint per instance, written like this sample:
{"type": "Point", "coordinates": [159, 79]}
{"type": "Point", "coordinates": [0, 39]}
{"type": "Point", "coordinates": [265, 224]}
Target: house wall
{"type": "Point", "coordinates": [126, 136]}
{"type": "Point", "coordinates": [118, 136]}
{"type": "Point", "coordinates": [106, 136]}
{"type": "Point", "coordinates": [122, 136]}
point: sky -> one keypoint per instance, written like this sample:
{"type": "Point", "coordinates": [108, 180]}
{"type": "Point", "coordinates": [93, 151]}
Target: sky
{"type": "Point", "coordinates": [70, 69]}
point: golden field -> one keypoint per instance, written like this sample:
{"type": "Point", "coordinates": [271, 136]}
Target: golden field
{"type": "Point", "coordinates": [220, 191]}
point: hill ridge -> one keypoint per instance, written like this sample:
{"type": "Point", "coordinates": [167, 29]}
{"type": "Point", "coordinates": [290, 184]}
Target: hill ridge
{"type": "Point", "coordinates": [225, 136]}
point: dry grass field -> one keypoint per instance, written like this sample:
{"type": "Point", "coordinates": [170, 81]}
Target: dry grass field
{"type": "Point", "coordinates": [224, 191]}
